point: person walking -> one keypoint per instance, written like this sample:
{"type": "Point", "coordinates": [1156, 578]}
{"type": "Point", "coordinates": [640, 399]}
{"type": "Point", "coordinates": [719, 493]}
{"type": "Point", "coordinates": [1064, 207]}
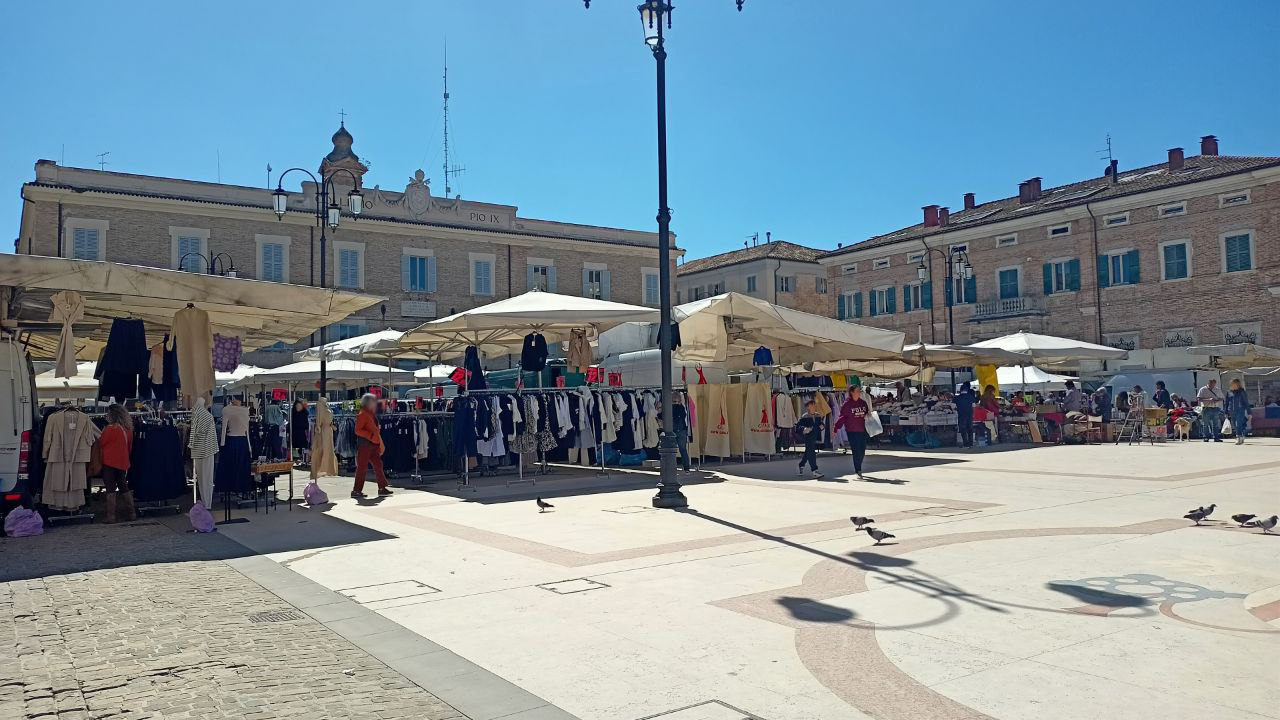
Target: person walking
{"type": "Point", "coordinates": [853, 418]}
{"type": "Point", "coordinates": [680, 424]}
{"type": "Point", "coordinates": [369, 447]}
{"type": "Point", "coordinates": [964, 414]}
{"type": "Point", "coordinates": [810, 426]}
{"type": "Point", "coordinates": [1238, 409]}
{"type": "Point", "coordinates": [1211, 400]}
{"type": "Point", "coordinates": [116, 443]}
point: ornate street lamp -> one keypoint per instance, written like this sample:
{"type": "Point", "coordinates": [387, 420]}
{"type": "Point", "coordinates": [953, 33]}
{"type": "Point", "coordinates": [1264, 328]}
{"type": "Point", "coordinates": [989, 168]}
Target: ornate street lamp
{"type": "Point", "coordinates": [957, 266]}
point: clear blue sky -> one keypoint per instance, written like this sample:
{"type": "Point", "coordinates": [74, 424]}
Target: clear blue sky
{"type": "Point", "coordinates": [824, 122]}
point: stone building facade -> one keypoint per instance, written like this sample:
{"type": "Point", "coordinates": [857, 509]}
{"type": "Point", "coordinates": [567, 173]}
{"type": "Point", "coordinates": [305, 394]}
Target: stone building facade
{"type": "Point", "coordinates": [781, 272]}
{"type": "Point", "coordinates": [1179, 253]}
{"type": "Point", "coordinates": [429, 256]}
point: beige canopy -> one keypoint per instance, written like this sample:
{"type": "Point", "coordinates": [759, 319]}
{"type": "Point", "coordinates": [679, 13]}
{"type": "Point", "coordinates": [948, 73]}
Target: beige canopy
{"type": "Point", "coordinates": [1237, 356]}
{"type": "Point", "coordinates": [916, 356]}
{"type": "Point", "coordinates": [260, 313]}
{"type": "Point", "coordinates": [728, 328]}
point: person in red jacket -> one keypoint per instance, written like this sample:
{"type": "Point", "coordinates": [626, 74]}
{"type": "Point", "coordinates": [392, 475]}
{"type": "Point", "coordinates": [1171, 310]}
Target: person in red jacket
{"type": "Point", "coordinates": [116, 443]}
{"type": "Point", "coordinates": [369, 447]}
{"type": "Point", "coordinates": [853, 418]}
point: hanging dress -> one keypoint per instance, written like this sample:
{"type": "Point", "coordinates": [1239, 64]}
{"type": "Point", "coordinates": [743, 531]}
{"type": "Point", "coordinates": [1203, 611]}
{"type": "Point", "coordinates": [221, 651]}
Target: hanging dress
{"type": "Point", "coordinates": [68, 308]}
{"type": "Point", "coordinates": [323, 459]}
{"type": "Point", "coordinates": [193, 339]}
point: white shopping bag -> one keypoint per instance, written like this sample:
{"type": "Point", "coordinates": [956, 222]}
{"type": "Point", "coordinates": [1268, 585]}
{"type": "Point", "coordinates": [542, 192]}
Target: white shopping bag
{"type": "Point", "coordinates": [1226, 426]}
{"type": "Point", "coordinates": [874, 426]}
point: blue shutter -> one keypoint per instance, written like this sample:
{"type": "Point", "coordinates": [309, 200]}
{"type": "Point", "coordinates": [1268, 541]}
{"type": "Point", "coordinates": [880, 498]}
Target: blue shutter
{"type": "Point", "coordinates": [528, 277]}
{"type": "Point", "coordinates": [871, 303]}
{"type": "Point", "coordinates": [1132, 274]}
{"type": "Point", "coordinates": [1104, 277]}
{"type": "Point", "coordinates": [431, 274]}
{"type": "Point", "coordinates": [551, 278]}
{"type": "Point", "coordinates": [906, 298]}
{"type": "Point", "coordinates": [948, 291]}
{"type": "Point", "coordinates": [406, 272]}
{"type": "Point", "coordinates": [586, 282]}
{"type": "Point", "coordinates": [857, 305]}
{"type": "Point", "coordinates": [890, 305]}
{"type": "Point", "coordinates": [840, 308]}
{"type": "Point", "coordinates": [926, 294]}
{"type": "Point", "coordinates": [970, 290]}
{"type": "Point", "coordinates": [605, 293]}
{"type": "Point", "coordinates": [1048, 278]}
{"type": "Point", "coordinates": [1073, 274]}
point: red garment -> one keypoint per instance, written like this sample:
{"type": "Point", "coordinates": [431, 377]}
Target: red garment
{"type": "Point", "coordinates": [366, 455]}
{"type": "Point", "coordinates": [853, 416]}
{"type": "Point", "coordinates": [367, 428]}
{"type": "Point", "coordinates": [117, 445]}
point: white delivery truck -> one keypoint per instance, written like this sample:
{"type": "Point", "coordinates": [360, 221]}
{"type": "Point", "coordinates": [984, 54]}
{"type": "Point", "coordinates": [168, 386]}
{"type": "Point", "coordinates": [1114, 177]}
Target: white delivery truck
{"type": "Point", "coordinates": [18, 446]}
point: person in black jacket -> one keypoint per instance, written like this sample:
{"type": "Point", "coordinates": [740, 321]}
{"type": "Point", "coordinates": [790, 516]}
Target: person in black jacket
{"type": "Point", "coordinates": [810, 426]}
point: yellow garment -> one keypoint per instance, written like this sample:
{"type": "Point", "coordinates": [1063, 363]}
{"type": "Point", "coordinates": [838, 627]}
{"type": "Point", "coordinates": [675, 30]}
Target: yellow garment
{"type": "Point", "coordinates": [821, 405]}
{"type": "Point", "coordinates": [714, 416]}
{"type": "Point", "coordinates": [986, 375]}
{"type": "Point", "coordinates": [193, 338]}
{"type": "Point", "coordinates": [323, 459]}
{"type": "Point", "coordinates": [839, 381]}
{"type": "Point", "coordinates": [757, 420]}
{"type": "Point", "coordinates": [697, 398]}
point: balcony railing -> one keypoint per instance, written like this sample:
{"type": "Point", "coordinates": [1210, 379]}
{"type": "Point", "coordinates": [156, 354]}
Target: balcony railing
{"type": "Point", "coordinates": [1007, 307]}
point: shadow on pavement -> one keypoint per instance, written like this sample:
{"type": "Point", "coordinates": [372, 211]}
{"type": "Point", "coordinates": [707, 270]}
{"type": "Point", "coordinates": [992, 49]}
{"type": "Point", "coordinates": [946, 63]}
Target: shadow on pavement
{"type": "Point", "coordinates": [814, 611]}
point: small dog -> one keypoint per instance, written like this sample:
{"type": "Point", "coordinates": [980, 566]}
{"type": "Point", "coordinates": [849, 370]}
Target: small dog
{"type": "Point", "coordinates": [1182, 428]}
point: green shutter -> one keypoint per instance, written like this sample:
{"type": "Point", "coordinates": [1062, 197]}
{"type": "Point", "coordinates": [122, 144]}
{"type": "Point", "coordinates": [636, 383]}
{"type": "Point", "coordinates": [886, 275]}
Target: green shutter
{"type": "Point", "coordinates": [404, 272]}
{"type": "Point", "coordinates": [871, 304]}
{"type": "Point", "coordinates": [840, 308]}
{"type": "Point", "coordinates": [431, 274]}
{"type": "Point", "coordinates": [1132, 274]}
{"type": "Point", "coordinates": [890, 305]}
{"type": "Point", "coordinates": [970, 290]}
{"type": "Point", "coordinates": [528, 277]}
{"type": "Point", "coordinates": [906, 298]}
{"type": "Point", "coordinates": [1048, 278]}
{"type": "Point", "coordinates": [1104, 277]}
{"type": "Point", "coordinates": [857, 305]}
{"type": "Point", "coordinates": [926, 294]}
{"type": "Point", "coordinates": [1073, 274]}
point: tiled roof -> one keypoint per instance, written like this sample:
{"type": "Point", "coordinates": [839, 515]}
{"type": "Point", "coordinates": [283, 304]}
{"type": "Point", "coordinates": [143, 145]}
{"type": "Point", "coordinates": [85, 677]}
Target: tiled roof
{"type": "Point", "coordinates": [1131, 182]}
{"type": "Point", "coordinates": [778, 250]}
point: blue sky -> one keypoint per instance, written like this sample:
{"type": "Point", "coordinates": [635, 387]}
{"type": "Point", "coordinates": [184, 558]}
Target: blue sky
{"type": "Point", "coordinates": [824, 122]}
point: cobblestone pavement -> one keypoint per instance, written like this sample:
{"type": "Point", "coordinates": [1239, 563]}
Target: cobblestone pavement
{"type": "Point", "coordinates": [138, 621]}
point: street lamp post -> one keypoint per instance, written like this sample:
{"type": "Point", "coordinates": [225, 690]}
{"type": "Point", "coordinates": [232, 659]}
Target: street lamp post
{"type": "Point", "coordinates": [957, 262]}
{"type": "Point", "coordinates": [654, 14]}
{"type": "Point", "coordinates": [328, 215]}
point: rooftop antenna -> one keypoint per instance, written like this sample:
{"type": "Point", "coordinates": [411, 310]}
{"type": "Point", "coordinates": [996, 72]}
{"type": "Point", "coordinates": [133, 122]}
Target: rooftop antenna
{"type": "Point", "coordinates": [219, 150]}
{"type": "Point", "coordinates": [1106, 152]}
{"type": "Point", "coordinates": [449, 171]}
{"type": "Point", "coordinates": [755, 239]}
{"type": "Point", "coordinates": [102, 160]}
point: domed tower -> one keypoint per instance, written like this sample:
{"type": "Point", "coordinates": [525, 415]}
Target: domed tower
{"type": "Point", "coordinates": [342, 156]}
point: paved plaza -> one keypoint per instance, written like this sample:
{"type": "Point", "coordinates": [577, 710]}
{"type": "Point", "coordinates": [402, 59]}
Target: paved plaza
{"type": "Point", "coordinates": [1032, 582]}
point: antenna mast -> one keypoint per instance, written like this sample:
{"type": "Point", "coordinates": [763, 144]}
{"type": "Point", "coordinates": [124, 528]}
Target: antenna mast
{"type": "Point", "coordinates": [102, 160]}
{"type": "Point", "coordinates": [1107, 150]}
{"type": "Point", "coordinates": [448, 171]}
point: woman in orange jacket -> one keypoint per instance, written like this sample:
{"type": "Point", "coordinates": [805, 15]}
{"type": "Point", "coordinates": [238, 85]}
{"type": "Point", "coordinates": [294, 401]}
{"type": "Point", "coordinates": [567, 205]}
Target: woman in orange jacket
{"type": "Point", "coordinates": [369, 447]}
{"type": "Point", "coordinates": [116, 443]}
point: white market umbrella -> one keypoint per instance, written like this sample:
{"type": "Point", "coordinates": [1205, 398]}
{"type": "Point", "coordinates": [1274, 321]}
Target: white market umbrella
{"type": "Point", "coordinates": [1237, 356]}
{"type": "Point", "coordinates": [380, 344]}
{"type": "Point", "coordinates": [1050, 350]}
{"type": "Point", "coordinates": [1021, 379]}
{"type": "Point", "coordinates": [341, 371]}
{"type": "Point", "coordinates": [222, 379]}
{"type": "Point", "coordinates": [435, 372]}
{"type": "Point", "coordinates": [80, 385]}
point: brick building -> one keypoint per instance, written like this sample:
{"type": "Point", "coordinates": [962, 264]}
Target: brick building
{"type": "Point", "coordinates": [430, 256]}
{"type": "Point", "coordinates": [1179, 253]}
{"type": "Point", "coordinates": [781, 272]}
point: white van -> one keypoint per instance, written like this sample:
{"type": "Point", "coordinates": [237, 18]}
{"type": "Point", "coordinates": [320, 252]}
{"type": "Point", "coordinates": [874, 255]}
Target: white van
{"type": "Point", "coordinates": [17, 418]}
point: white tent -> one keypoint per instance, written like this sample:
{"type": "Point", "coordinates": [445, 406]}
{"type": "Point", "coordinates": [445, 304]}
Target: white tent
{"type": "Point", "coordinates": [499, 328]}
{"type": "Point", "coordinates": [1237, 356]}
{"type": "Point", "coordinates": [223, 379]}
{"type": "Point", "coordinates": [1020, 379]}
{"type": "Point", "coordinates": [381, 344]}
{"type": "Point", "coordinates": [917, 356]}
{"type": "Point", "coordinates": [1048, 350]}
{"type": "Point", "coordinates": [339, 372]}
{"type": "Point", "coordinates": [435, 372]}
{"type": "Point", "coordinates": [81, 385]}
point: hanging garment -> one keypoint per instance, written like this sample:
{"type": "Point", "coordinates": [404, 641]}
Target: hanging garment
{"type": "Point", "coordinates": [471, 363]}
{"type": "Point", "coordinates": [563, 418]}
{"type": "Point", "coordinates": [820, 401]}
{"type": "Point", "coordinates": [495, 445]}
{"type": "Point", "coordinates": [156, 468]}
{"type": "Point", "coordinates": [68, 443]}
{"type": "Point", "coordinates": [533, 356]}
{"type": "Point", "coordinates": [839, 381]}
{"type": "Point", "coordinates": [762, 356]}
{"type": "Point", "coordinates": [299, 422]}
{"type": "Point", "coordinates": [203, 439]}
{"type": "Point", "coordinates": [652, 428]}
{"type": "Point", "coordinates": [579, 354]}
{"type": "Point", "coordinates": [715, 416]}
{"type": "Point", "coordinates": [231, 467]}
{"type": "Point", "coordinates": [68, 308]}
{"type": "Point", "coordinates": [464, 427]}
{"type": "Point", "coordinates": [735, 401]}
{"type": "Point", "coordinates": [226, 352]}
{"type": "Point", "coordinates": [784, 413]}
{"type": "Point", "coordinates": [193, 340]}
{"type": "Point", "coordinates": [124, 360]}
{"type": "Point", "coordinates": [757, 419]}
{"type": "Point", "coordinates": [235, 422]}
{"type": "Point", "coordinates": [586, 436]}
{"type": "Point", "coordinates": [323, 459]}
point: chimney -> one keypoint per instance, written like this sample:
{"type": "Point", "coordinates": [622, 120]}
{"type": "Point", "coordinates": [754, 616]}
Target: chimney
{"type": "Point", "coordinates": [1175, 159]}
{"type": "Point", "coordinates": [930, 215]}
{"type": "Point", "coordinates": [768, 236]}
{"type": "Point", "coordinates": [969, 201]}
{"type": "Point", "coordinates": [943, 214]}
{"type": "Point", "coordinates": [1209, 145]}
{"type": "Point", "coordinates": [1034, 186]}
{"type": "Point", "coordinates": [1113, 170]}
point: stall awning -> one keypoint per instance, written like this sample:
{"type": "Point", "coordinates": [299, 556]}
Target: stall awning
{"type": "Point", "coordinates": [1237, 356]}
{"type": "Point", "coordinates": [260, 313]}
{"type": "Point", "coordinates": [383, 344]}
{"type": "Point", "coordinates": [337, 372]}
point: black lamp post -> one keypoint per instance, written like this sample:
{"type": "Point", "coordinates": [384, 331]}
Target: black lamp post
{"type": "Point", "coordinates": [328, 215]}
{"type": "Point", "coordinates": [654, 14]}
{"type": "Point", "coordinates": [215, 265]}
{"type": "Point", "coordinates": [957, 264]}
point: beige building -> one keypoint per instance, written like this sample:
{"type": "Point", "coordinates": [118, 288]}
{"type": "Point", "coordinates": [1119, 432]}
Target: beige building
{"type": "Point", "coordinates": [1183, 252]}
{"type": "Point", "coordinates": [430, 256]}
{"type": "Point", "coordinates": [781, 272]}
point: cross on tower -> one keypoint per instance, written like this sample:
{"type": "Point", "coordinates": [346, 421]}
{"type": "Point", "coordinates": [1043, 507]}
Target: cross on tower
{"type": "Point", "coordinates": [342, 115]}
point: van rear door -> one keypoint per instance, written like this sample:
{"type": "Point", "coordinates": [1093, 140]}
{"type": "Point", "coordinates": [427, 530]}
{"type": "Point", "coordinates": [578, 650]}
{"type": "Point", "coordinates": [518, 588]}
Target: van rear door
{"type": "Point", "coordinates": [16, 408]}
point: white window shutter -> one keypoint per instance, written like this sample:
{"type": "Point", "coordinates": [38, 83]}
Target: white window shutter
{"type": "Point", "coordinates": [551, 278]}
{"type": "Point", "coordinates": [586, 283]}
{"type": "Point", "coordinates": [406, 270]}
{"type": "Point", "coordinates": [431, 274]}
{"type": "Point", "coordinates": [604, 285]}
{"type": "Point", "coordinates": [528, 282]}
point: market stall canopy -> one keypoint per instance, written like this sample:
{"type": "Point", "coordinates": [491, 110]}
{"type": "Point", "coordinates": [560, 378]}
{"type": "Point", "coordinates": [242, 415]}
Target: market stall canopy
{"type": "Point", "coordinates": [435, 372]}
{"type": "Point", "coordinates": [80, 385]}
{"type": "Point", "coordinates": [222, 379]}
{"type": "Point", "coordinates": [499, 328]}
{"type": "Point", "coordinates": [730, 327]}
{"type": "Point", "coordinates": [1237, 356]}
{"type": "Point", "coordinates": [1020, 379]}
{"type": "Point", "coordinates": [916, 356]}
{"type": "Point", "coordinates": [337, 372]}
{"type": "Point", "coordinates": [260, 313]}
{"type": "Point", "coordinates": [1050, 350]}
{"type": "Point", "coordinates": [382, 344]}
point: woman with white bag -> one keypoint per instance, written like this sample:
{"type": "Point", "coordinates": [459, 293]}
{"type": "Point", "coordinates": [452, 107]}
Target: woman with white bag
{"type": "Point", "coordinates": [854, 416]}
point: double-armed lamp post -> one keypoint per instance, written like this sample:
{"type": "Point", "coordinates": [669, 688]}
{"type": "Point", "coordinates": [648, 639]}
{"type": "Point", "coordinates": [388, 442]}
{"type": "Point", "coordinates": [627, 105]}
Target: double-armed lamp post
{"type": "Point", "coordinates": [958, 265]}
{"type": "Point", "coordinates": [328, 215]}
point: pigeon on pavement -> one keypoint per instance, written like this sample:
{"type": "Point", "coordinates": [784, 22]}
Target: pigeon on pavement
{"type": "Point", "coordinates": [1267, 525]}
{"type": "Point", "coordinates": [1196, 515]}
{"type": "Point", "coordinates": [858, 521]}
{"type": "Point", "coordinates": [878, 535]}
{"type": "Point", "coordinates": [543, 505]}
{"type": "Point", "coordinates": [1243, 518]}
{"type": "Point", "coordinates": [1205, 510]}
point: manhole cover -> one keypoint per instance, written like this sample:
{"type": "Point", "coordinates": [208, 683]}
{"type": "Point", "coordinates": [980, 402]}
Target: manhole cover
{"type": "Point", "coordinates": [274, 616]}
{"type": "Point", "coordinates": [568, 587]}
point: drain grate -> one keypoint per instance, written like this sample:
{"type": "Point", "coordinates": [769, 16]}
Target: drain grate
{"type": "Point", "coordinates": [275, 616]}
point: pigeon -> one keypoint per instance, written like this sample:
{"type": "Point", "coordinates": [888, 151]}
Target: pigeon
{"type": "Point", "coordinates": [1243, 518]}
{"type": "Point", "coordinates": [858, 521]}
{"type": "Point", "coordinates": [543, 505]}
{"type": "Point", "coordinates": [1196, 515]}
{"type": "Point", "coordinates": [1203, 509]}
{"type": "Point", "coordinates": [878, 535]}
{"type": "Point", "coordinates": [1267, 525]}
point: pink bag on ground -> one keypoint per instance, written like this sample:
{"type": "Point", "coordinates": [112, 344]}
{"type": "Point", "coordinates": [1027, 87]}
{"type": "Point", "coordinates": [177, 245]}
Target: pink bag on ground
{"type": "Point", "coordinates": [313, 495]}
{"type": "Point", "coordinates": [21, 522]}
{"type": "Point", "coordinates": [201, 518]}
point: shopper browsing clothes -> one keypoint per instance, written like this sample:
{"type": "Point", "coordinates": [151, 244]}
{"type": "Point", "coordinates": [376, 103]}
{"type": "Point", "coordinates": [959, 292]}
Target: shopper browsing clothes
{"type": "Point", "coordinates": [1238, 409]}
{"type": "Point", "coordinates": [964, 413]}
{"type": "Point", "coordinates": [853, 418]}
{"type": "Point", "coordinates": [369, 447]}
{"type": "Point", "coordinates": [116, 443]}
{"type": "Point", "coordinates": [1211, 399]}
{"type": "Point", "coordinates": [810, 426]}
